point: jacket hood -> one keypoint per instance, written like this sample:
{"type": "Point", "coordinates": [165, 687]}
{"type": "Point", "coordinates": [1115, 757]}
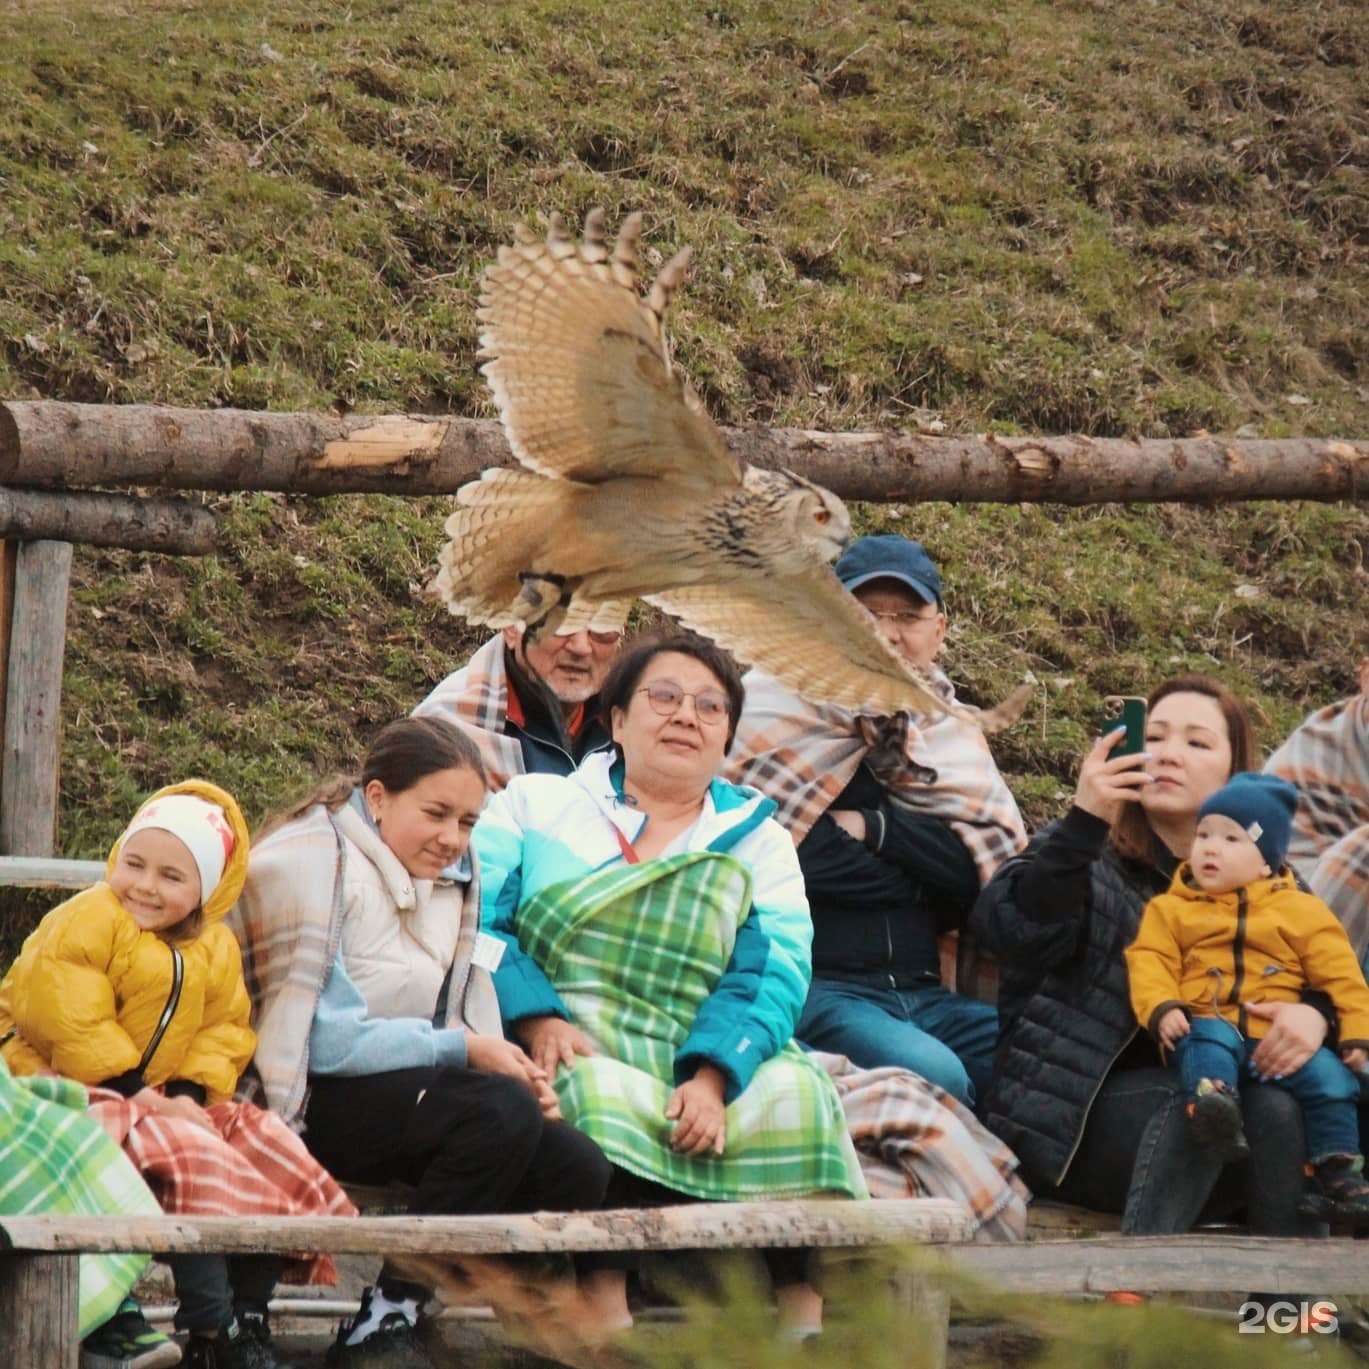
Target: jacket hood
{"type": "Point", "coordinates": [226, 893]}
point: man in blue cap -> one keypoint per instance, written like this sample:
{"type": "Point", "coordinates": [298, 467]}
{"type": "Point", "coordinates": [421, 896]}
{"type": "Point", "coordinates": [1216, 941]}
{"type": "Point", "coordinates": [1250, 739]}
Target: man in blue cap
{"type": "Point", "coordinates": [898, 822]}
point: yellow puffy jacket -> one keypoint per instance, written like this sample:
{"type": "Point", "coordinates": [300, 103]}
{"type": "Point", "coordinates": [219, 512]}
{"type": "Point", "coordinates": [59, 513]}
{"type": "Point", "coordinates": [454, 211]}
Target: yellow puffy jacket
{"type": "Point", "coordinates": [90, 986]}
{"type": "Point", "coordinates": [1210, 953]}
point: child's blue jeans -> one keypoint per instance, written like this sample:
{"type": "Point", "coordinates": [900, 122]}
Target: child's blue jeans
{"type": "Point", "coordinates": [1326, 1091]}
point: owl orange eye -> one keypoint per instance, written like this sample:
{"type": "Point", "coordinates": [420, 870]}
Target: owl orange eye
{"type": "Point", "coordinates": [822, 516]}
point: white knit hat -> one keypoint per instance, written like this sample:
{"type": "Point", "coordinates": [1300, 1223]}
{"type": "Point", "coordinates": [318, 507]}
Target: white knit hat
{"type": "Point", "coordinates": [201, 825]}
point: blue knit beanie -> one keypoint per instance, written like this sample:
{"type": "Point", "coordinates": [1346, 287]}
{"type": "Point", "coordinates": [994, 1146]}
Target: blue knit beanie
{"type": "Point", "coordinates": [1264, 805]}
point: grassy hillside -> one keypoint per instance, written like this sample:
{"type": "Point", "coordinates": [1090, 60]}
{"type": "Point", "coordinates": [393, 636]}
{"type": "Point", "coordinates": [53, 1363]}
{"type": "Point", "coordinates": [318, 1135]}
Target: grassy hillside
{"type": "Point", "coordinates": [1021, 215]}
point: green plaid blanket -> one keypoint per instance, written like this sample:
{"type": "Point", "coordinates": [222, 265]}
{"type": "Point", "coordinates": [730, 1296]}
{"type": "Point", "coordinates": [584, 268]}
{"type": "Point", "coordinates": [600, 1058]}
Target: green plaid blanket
{"type": "Point", "coordinates": [634, 951]}
{"type": "Point", "coordinates": [53, 1158]}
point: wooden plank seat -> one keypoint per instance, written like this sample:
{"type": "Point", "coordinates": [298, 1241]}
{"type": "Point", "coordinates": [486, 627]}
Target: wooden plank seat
{"type": "Point", "coordinates": [38, 1268]}
{"type": "Point", "coordinates": [1048, 1220]}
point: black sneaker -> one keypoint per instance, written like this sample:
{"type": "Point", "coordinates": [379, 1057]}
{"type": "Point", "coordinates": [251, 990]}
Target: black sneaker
{"type": "Point", "coordinates": [395, 1344]}
{"type": "Point", "coordinates": [127, 1341]}
{"type": "Point", "coordinates": [1340, 1181]}
{"type": "Point", "coordinates": [235, 1347]}
{"type": "Point", "coordinates": [1214, 1121]}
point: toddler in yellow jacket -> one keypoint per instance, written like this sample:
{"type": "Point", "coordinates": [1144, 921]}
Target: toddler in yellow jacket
{"type": "Point", "coordinates": [134, 987]}
{"type": "Point", "coordinates": [1235, 929]}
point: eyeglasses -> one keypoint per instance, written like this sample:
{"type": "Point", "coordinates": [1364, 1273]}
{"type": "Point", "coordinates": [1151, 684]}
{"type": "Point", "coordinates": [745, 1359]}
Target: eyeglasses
{"type": "Point", "coordinates": [902, 618]}
{"type": "Point", "coordinates": [598, 638]}
{"type": "Point", "coordinates": [665, 696]}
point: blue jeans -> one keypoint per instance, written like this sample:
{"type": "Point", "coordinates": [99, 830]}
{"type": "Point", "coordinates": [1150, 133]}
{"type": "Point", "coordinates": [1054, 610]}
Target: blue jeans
{"type": "Point", "coordinates": [1326, 1091]}
{"type": "Point", "coordinates": [946, 1038]}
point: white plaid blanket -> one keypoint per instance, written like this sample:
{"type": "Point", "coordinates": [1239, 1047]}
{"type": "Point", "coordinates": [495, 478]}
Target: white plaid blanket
{"type": "Point", "coordinates": [803, 755]}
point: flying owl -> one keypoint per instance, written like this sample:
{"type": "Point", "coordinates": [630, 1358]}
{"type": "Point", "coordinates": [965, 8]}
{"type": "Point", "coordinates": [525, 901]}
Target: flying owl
{"type": "Point", "coordinates": [628, 489]}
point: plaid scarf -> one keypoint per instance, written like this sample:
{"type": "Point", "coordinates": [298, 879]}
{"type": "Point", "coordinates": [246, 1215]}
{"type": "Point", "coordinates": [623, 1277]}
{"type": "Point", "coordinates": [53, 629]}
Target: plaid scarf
{"type": "Point", "coordinates": [55, 1158]}
{"type": "Point", "coordinates": [634, 951]}
{"type": "Point", "coordinates": [289, 923]}
{"type": "Point", "coordinates": [476, 699]}
{"type": "Point", "coordinates": [1328, 759]}
{"type": "Point", "coordinates": [916, 1141]}
{"type": "Point", "coordinates": [803, 755]}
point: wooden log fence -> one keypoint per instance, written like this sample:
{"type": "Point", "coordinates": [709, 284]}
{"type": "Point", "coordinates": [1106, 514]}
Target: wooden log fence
{"type": "Point", "coordinates": [33, 697]}
{"type": "Point", "coordinates": [48, 443]}
{"type": "Point", "coordinates": [38, 1268]}
{"type": "Point", "coordinates": [52, 453]}
{"type": "Point", "coordinates": [174, 526]}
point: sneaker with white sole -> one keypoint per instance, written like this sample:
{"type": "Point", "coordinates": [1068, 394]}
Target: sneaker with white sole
{"type": "Point", "coordinates": [128, 1341]}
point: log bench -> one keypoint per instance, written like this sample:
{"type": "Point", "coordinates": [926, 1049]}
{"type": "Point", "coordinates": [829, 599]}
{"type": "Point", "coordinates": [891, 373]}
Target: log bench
{"type": "Point", "coordinates": [38, 1254]}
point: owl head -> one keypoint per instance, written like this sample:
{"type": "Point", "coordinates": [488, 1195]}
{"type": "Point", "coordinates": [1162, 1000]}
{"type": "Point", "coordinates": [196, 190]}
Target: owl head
{"type": "Point", "coordinates": [814, 517]}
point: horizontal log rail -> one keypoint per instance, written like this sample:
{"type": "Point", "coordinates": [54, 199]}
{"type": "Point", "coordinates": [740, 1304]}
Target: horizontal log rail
{"type": "Point", "coordinates": [174, 526]}
{"type": "Point", "coordinates": [48, 872]}
{"type": "Point", "coordinates": [52, 444]}
{"type": "Point", "coordinates": [1165, 1264]}
{"type": "Point", "coordinates": [689, 1226]}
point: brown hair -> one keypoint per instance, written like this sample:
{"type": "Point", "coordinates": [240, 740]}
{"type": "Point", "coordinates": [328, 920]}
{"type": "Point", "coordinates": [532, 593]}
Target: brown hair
{"type": "Point", "coordinates": [187, 929]}
{"type": "Point", "coordinates": [1131, 833]}
{"type": "Point", "coordinates": [626, 673]}
{"type": "Point", "coordinates": [402, 753]}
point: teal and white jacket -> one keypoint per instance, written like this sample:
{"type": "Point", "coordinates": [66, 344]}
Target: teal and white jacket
{"type": "Point", "coordinates": [547, 829]}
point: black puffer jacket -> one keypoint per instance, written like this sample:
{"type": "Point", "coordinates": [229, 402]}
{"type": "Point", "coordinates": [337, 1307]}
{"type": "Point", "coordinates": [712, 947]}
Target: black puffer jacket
{"type": "Point", "coordinates": [1058, 917]}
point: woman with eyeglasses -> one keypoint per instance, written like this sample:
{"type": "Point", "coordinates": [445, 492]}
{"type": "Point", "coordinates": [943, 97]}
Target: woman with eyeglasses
{"type": "Point", "coordinates": [656, 958]}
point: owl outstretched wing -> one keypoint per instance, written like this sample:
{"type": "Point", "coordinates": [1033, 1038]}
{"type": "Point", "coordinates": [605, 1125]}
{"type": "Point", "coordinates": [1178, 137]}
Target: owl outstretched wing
{"type": "Point", "coordinates": [810, 634]}
{"type": "Point", "coordinates": [579, 363]}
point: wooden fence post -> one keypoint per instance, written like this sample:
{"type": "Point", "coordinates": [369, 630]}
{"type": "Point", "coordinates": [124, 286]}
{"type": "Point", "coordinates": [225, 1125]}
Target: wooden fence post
{"type": "Point", "coordinates": [33, 699]}
{"type": "Point", "coordinates": [921, 1293]}
{"type": "Point", "coordinates": [39, 1301]}
{"type": "Point", "coordinates": [9, 554]}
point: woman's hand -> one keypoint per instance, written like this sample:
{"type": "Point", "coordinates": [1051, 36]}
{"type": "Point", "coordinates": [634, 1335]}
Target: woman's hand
{"type": "Point", "coordinates": [552, 1042]}
{"type": "Point", "coordinates": [1171, 1027]}
{"type": "Point", "coordinates": [1355, 1059]}
{"type": "Point", "coordinates": [1106, 781]}
{"type": "Point", "coordinates": [187, 1109]}
{"type": "Point", "coordinates": [495, 1055]}
{"type": "Point", "coordinates": [1297, 1033]}
{"type": "Point", "coordinates": [696, 1108]}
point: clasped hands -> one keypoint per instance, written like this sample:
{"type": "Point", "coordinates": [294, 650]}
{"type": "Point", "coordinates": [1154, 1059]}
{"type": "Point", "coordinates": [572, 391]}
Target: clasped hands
{"type": "Point", "coordinates": [696, 1107]}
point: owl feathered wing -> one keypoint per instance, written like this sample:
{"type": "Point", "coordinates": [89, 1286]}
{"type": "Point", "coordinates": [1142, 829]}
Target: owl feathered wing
{"type": "Point", "coordinates": [810, 634]}
{"type": "Point", "coordinates": [580, 367]}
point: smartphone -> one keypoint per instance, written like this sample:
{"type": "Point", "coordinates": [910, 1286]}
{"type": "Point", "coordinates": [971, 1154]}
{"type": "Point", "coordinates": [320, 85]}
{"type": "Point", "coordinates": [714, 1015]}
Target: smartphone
{"type": "Point", "coordinates": [1130, 712]}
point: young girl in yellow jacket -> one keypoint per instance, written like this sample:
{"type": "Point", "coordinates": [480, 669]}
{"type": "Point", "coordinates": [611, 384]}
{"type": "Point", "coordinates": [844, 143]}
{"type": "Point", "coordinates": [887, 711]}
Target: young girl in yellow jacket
{"type": "Point", "coordinates": [134, 987]}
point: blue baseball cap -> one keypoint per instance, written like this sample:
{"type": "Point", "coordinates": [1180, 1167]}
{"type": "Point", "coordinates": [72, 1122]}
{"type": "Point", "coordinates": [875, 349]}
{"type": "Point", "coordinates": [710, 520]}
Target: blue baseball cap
{"type": "Point", "coordinates": [887, 556]}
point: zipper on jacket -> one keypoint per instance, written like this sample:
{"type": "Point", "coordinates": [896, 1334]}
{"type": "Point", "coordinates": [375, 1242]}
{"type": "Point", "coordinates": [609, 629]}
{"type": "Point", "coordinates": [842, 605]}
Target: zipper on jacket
{"type": "Point", "coordinates": [889, 952]}
{"type": "Point", "coordinates": [1238, 962]}
{"type": "Point", "coordinates": [1088, 1107]}
{"type": "Point", "coordinates": [1215, 974]}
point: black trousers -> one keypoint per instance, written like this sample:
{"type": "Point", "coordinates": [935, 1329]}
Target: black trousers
{"type": "Point", "coordinates": [472, 1143]}
{"type": "Point", "coordinates": [210, 1289]}
{"type": "Point", "coordinates": [786, 1266]}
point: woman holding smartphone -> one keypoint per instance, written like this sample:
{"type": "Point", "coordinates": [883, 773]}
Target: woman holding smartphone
{"type": "Point", "coordinates": [1079, 1092]}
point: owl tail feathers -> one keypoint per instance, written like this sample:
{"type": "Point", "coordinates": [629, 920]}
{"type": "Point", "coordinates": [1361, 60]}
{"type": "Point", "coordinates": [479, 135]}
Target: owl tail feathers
{"type": "Point", "coordinates": [493, 568]}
